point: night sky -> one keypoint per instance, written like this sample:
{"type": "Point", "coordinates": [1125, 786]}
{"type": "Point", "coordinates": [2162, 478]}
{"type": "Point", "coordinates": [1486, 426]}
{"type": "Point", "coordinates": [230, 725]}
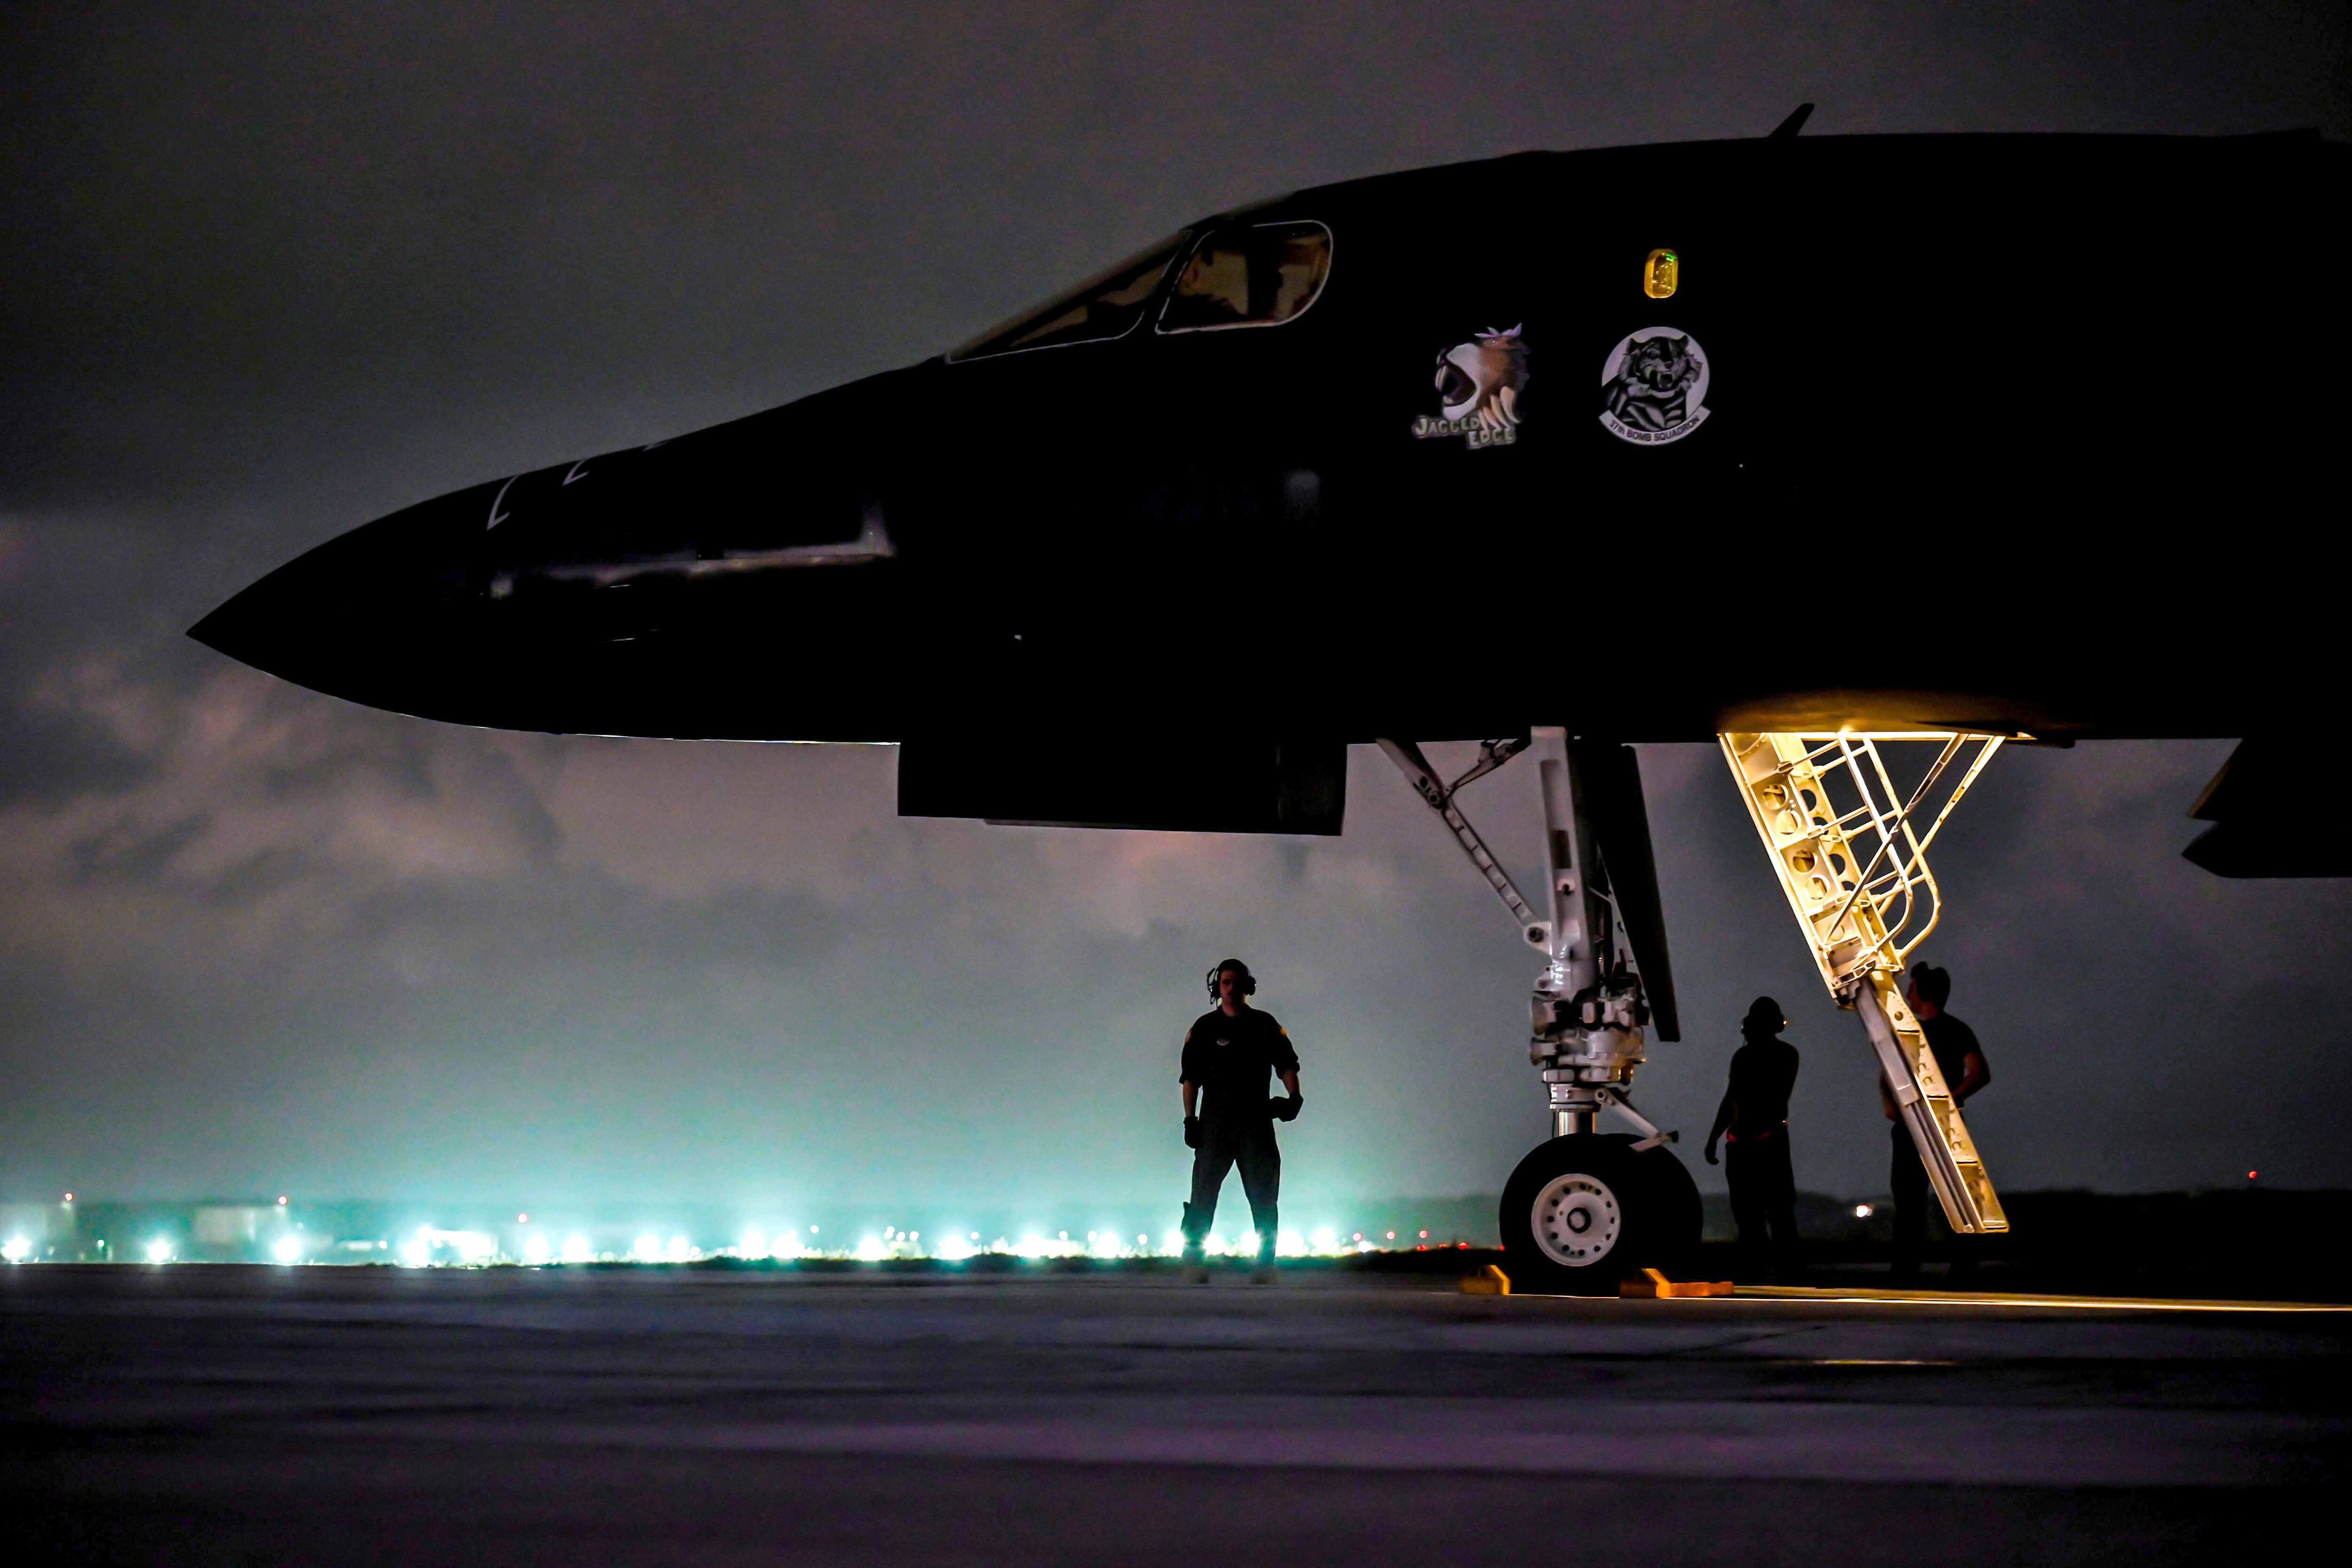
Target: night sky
{"type": "Point", "coordinates": [277, 270]}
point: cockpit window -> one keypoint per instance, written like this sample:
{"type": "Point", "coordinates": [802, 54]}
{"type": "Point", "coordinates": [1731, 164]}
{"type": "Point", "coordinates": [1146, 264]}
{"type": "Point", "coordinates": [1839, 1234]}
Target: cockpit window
{"type": "Point", "coordinates": [1108, 305]}
{"type": "Point", "coordinates": [1257, 277]}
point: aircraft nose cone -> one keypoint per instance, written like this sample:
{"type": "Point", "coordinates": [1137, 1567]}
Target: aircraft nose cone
{"type": "Point", "coordinates": [252, 626]}
{"type": "Point", "coordinates": [363, 616]}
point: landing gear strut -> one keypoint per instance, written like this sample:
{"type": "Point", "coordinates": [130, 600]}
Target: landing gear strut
{"type": "Point", "coordinates": [1586, 1209]}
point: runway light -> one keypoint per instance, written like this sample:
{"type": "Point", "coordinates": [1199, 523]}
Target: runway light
{"type": "Point", "coordinates": [535, 1248]}
{"type": "Point", "coordinates": [955, 1249]}
{"type": "Point", "coordinates": [575, 1249]}
{"type": "Point", "coordinates": [753, 1245]}
{"type": "Point", "coordinates": [646, 1249]}
{"type": "Point", "coordinates": [17, 1249]}
{"type": "Point", "coordinates": [159, 1251]}
{"type": "Point", "coordinates": [416, 1251]}
{"type": "Point", "coordinates": [870, 1250]}
{"type": "Point", "coordinates": [680, 1249]}
{"type": "Point", "coordinates": [287, 1249]}
{"type": "Point", "coordinates": [1327, 1239]}
{"type": "Point", "coordinates": [1862, 1211]}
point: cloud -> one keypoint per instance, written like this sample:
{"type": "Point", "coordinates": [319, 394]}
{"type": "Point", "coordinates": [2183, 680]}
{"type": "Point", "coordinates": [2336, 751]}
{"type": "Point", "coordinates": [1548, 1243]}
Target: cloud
{"type": "Point", "coordinates": [265, 807]}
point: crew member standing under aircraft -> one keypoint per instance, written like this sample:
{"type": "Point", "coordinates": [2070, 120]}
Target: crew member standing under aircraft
{"type": "Point", "coordinates": [1755, 1117]}
{"type": "Point", "coordinates": [1961, 1061]}
{"type": "Point", "coordinates": [1230, 1054]}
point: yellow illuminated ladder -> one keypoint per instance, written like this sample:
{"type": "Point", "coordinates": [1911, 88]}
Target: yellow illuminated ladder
{"type": "Point", "coordinates": [1841, 839]}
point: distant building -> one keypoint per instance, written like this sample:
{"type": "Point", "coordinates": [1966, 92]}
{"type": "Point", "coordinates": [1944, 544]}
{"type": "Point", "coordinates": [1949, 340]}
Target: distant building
{"type": "Point", "coordinates": [235, 1230]}
{"type": "Point", "coordinates": [30, 1231]}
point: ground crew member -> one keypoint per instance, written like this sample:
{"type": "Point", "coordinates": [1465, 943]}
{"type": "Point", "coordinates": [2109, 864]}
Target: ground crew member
{"type": "Point", "coordinates": [1755, 1117]}
{"type": "Point", "coordinates": [1230, 1053]}
{"type": "Point", "coordinates": [1961, 1061]}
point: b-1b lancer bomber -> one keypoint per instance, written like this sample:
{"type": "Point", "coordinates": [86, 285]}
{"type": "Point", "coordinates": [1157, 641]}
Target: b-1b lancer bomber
{"type": "Point", "coordinates": [1798, 446]}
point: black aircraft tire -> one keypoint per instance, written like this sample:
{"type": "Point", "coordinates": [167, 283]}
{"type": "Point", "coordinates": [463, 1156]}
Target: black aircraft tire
{"type": "Point", "coordinates": [1583, 1213]}
{"type": "Point", "coordinates": [1682, 1214]}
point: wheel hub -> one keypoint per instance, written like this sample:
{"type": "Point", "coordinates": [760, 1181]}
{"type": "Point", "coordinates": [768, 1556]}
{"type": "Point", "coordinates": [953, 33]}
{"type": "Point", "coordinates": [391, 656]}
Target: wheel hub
{"type": "Point", "coordinates": [1577, 1220]}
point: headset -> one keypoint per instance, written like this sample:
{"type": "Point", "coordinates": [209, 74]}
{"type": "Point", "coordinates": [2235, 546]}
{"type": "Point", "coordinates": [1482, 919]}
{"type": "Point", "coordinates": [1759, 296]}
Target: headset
{"type": "Point", "coordinates": [1249, 981]}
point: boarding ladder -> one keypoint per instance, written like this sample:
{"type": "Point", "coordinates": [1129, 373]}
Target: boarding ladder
{"type": "Point", "coordinates": [1842, 839]}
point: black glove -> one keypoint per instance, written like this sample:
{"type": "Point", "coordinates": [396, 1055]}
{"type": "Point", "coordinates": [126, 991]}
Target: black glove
{"type": "Point", "coordinates": [1285, 1108]}
{"type": "Point", "coordinates": [1192, 1132]}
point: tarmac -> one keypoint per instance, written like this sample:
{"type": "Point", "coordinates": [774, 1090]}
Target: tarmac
{"type": "Point", "coordinates": [249, 1415]}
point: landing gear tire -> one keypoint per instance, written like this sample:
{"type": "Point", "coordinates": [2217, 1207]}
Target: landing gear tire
{"type": "Point", "coordinates": [1585, 1211]}
{"type": "Point", "coordinates": [1682, 1214]}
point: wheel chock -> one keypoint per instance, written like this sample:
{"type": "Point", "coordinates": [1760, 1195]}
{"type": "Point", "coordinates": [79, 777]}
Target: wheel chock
{"type": "Point", "coordinates": [1489, 1281]}
{"type": "Point", "coordinates": [1654, 1284]}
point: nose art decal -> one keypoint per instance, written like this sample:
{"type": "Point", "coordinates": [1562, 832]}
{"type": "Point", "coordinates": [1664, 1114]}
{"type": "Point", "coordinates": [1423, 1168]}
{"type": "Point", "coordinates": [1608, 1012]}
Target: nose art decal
{"type": "Point", "coordinates": [1478, 386]}
{"type": "Point", "coordinates": [1654, 387]}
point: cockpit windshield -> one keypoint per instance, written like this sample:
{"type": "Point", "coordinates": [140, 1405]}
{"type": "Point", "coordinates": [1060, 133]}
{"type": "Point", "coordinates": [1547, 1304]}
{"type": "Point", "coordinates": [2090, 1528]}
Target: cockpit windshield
{"type": "Point", "coordinates": [1256, 277]}
{"type": "Point", "coordinates": [1108, 305]}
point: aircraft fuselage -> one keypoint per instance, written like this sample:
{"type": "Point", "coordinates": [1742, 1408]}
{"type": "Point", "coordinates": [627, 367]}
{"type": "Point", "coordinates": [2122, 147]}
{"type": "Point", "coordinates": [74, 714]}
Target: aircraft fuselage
{"type": "Point", "coordinates": [2018, 433]}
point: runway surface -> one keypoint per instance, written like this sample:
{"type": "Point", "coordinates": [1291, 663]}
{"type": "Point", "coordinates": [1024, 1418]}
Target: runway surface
{"type": "Point", "coordinates": [255, 1416]}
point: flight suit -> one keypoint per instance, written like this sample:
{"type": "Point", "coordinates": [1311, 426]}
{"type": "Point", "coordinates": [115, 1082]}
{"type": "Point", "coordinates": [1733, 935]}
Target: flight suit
{"type": "Point", "coordinates": [1756, 1160]}
{"type": "Point", "coordinates": [1232, 1060]}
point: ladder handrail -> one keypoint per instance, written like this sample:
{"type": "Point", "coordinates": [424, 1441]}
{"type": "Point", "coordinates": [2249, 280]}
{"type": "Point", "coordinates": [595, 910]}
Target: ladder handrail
{"type": "Point", "coordinates": [1886, 843]}
{"type": "Point", "coordinates": [1895, 894]}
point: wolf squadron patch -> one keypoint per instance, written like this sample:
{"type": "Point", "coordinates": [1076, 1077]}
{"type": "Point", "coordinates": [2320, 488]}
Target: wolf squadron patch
{"type": "Point", "coordinates": [1478, 386]}
{"type": "Point", "coordinates": [1654, 387]}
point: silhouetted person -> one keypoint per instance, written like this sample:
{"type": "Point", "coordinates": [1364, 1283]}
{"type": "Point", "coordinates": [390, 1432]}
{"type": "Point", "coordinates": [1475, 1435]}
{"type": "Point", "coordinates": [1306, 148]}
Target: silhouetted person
{"type": "Point", "coordinates": [1961, 1061]}
{"type": "Point", "coordinates": [1230, 1054]}
{"type": "Point", "coordinates": [1755, 1117]}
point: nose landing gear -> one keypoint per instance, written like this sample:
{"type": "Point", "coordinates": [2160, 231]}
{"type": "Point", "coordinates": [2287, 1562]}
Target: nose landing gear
{"type": "Point", "coordinates": [1586, 1209]}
